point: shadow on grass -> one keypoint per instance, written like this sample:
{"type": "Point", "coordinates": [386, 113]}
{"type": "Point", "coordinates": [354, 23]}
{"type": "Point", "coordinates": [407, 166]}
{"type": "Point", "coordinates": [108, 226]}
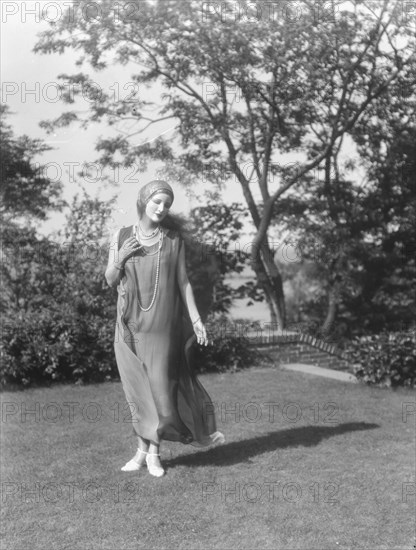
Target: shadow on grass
{"type": "Point", "coordinates": [241, 451]}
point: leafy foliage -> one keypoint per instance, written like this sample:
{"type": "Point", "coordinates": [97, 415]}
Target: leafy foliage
{"type": "Point", "coordinates": [356, 242]}
{"type": "Point", "coordinates": [386, 359]}
{"type": "Point", "coordinates": [215, 253]}
{"type": "Point", "coordinates": [48, 346]}
{"type": "Point", "coordinates": [58, 314]}
{"type": "Point", "coordinates": [228, 351]}
{"type": "Point", "coordinates": [241, 92]}
{"type": "Point", "coordinates": [24, 191]}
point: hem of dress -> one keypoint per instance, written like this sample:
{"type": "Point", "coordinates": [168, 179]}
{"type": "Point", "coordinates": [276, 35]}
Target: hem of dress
{"type": "Point", "coordinates": [212, 439]}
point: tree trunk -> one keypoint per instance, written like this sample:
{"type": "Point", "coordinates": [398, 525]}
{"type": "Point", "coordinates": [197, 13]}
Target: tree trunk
{"type": "Point", "coordinates": [270, 281]}
{"type": "Point", "coordinates": [262, 261]}
{"type": "Point", "coordinates": [273, 316]}
{"type": "Point", "coordinates": [329, 322]}
{"type": "Point", "coordinates": [277, 286]}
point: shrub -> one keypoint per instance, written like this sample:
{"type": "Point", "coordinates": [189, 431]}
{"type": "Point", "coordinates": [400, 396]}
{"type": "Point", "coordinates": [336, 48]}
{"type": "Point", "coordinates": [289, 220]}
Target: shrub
{"type": "Point", "coordinates": [386, 359]}
{"type": "Point", "coordinates": [56, 346]}
{"type": "Point", "coordinates": [229, 351]}
{"type": "Point", "coordinates": [47, 346]}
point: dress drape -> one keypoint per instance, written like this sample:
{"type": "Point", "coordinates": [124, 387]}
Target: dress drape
{"type": "Point", "coordinates": [154, 350]}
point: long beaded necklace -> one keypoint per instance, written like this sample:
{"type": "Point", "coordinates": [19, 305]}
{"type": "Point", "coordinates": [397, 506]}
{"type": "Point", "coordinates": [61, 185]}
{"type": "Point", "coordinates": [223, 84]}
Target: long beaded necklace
{"type": "Point", "coordinates": [157, 273]}
{"type": "Point", "coordinates": [148, 235]}
{"type": "Point", "coordinates": [139, 239]}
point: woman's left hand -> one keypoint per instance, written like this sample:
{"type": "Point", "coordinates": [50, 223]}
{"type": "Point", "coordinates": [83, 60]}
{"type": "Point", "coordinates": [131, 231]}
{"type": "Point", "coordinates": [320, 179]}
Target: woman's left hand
{"type": "Point", "coordinates": [201, 333]}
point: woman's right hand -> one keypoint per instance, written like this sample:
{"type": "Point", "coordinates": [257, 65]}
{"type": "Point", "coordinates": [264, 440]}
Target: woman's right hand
{"type": "Point", "coordinates": [129, 247]}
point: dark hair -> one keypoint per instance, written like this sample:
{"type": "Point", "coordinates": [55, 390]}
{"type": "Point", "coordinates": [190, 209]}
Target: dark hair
{"type": "Point", "coordinates": [177, 223]}
{"type": "Point", "coordinates": [171, 221]}
{"type": "Point", "coordinates": [140, 208]}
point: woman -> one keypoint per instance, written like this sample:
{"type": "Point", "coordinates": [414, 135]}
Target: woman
{"type": "Point", "coordinates": [157, 322]}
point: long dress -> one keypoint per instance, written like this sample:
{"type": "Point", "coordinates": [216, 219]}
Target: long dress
{"type": "Point", "coordinates": [154, 350]}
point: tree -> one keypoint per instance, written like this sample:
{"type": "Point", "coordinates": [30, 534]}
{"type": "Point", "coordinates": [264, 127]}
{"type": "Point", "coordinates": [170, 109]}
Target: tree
{"type": "Point", "coordinates": [25, 191]}
{"type": "Point", "coordinates": [26, 197]}
{"type": "Point", "coordinates": [360, 236]}
{"type": "Point", "coordinates": [387, 278]}
{"type": "Point", "coordinates": [57, 313]}
{"type": "Point", "coordinates": [244, 90]}
{"type": "Point", "coordinates": [214, 253]}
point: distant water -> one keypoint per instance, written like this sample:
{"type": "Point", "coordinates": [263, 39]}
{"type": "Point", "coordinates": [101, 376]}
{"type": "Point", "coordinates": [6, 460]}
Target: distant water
{"type": "Point", "coordinates": [258, 311]}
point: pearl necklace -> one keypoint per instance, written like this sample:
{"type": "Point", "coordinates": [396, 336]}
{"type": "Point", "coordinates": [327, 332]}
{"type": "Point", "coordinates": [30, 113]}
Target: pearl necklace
{"type": "Point", "coordinates": [157, 277]}
{"type": "Point", "coordinates": [136, 235]}
{"type": "Point", "coordinates": [148, 235]}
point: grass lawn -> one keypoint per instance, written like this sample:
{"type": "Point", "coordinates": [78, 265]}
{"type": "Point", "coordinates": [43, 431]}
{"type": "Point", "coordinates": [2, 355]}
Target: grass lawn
{"type": "Point", "coordinates": [309, 463]}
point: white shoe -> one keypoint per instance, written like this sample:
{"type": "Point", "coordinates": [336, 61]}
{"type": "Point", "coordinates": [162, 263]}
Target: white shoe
{"type": "Point", "coordinates": [218, 438]}
{"type": "Point", "coordinates": [154, 470]}
{"type": "Point", "coordinates": [132, 465]}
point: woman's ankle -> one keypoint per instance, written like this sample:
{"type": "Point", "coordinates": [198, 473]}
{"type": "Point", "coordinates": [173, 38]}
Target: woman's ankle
{"type": "Point", "coordinates": [154, 449]}
{"type": "Point", "coordinates": [143, 444]}
{"type": "Point", "coordinates": [141, 452]}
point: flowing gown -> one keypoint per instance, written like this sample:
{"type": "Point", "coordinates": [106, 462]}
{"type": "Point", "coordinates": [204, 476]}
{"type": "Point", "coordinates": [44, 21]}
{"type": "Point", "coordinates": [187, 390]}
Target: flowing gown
{"type": "Point", "coordinates": [154, 350]}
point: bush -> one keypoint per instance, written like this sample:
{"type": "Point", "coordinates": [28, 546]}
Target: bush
{"type": "Point", "coordinates": [47, 346]}
{"type": "Point", "coordinates": [229, 350]}
{"type": "Point", "coordinates": [386, 359]}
